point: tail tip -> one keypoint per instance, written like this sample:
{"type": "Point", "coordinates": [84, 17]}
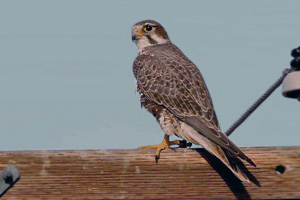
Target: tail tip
{"type": "Point", "coordinates": [250, 161]}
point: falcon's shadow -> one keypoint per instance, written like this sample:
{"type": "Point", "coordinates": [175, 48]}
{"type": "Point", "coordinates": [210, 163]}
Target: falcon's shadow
{"type": "Point", "coordinates": [235, 185]}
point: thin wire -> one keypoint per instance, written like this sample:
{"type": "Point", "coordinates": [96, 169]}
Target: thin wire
{"type": "Point", "coordinates": [257, 103]}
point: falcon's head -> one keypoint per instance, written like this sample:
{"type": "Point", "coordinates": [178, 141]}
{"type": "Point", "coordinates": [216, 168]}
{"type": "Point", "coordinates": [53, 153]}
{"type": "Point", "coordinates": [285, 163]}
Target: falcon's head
{"type": "Point", "coordinates": [148, 33]}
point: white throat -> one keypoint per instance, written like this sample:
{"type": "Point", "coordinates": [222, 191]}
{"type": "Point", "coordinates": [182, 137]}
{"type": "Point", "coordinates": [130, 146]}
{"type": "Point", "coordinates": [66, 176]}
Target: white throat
{"type": "Point", "coordinates": [144, 42]}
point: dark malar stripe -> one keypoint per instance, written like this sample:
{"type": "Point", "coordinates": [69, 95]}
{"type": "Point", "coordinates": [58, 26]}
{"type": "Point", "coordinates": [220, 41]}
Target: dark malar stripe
{"type": "Point", "coordinates": [151, 40]}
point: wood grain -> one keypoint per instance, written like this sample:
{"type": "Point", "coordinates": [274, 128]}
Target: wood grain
{"type": "Point", "coordinates": [133, 174]}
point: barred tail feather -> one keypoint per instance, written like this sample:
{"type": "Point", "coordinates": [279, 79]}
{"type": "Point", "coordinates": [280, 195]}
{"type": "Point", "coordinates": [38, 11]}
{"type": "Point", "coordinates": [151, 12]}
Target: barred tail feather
{"type": "Point", "coordinates": [191, 135]}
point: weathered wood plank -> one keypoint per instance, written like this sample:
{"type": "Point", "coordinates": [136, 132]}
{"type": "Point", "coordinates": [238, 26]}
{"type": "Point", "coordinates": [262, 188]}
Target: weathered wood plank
{"type": "Point", "coordinates": [133, 174]}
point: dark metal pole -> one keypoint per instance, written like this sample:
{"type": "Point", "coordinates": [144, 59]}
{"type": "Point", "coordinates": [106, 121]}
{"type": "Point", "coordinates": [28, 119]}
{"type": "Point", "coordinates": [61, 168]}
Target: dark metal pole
{"type": "Point", "coordinates": [257, 103]}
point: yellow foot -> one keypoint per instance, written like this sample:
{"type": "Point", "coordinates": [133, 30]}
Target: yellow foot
{"type": "Point", "coordinates": [159, 147]}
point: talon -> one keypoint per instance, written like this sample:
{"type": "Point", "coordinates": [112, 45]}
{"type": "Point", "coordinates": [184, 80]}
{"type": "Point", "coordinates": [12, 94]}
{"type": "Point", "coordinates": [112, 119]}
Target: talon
{"type": "Point", "coordinates": [184, 144]}
{"type": "Point", "coordinates": [156, 158]}
{"type": "Point", "coordinates": [165, 144]}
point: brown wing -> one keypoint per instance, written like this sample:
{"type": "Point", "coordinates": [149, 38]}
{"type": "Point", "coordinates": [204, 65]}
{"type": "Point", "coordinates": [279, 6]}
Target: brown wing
{"type": "Point", "coordinates": [175, 83]}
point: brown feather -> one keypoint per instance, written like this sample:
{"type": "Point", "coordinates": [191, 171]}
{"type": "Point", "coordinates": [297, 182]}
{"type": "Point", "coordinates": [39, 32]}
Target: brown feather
{"type": "Point", "coordinates": [173, 90]}
{"type": "Point", "coordinates": [188, 99]}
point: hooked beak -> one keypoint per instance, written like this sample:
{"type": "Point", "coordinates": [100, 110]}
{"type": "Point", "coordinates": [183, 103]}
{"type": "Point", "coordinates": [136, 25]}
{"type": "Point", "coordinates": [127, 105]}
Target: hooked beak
{"type": "Point", "coordinates": [136, 35]}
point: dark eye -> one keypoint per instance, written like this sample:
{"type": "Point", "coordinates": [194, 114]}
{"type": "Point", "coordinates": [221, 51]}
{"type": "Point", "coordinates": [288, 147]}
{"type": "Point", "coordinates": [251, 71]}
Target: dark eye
{"type": "Point", "coordinates": [148, 28]}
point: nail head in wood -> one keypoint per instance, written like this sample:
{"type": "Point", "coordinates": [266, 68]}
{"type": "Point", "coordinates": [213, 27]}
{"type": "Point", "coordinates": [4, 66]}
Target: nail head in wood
{"type": "Point", "coordinates": [9, 176]}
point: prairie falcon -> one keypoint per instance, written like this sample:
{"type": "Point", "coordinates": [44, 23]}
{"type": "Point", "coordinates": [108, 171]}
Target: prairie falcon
{"type": "Point", "coordinates": [173, 90]}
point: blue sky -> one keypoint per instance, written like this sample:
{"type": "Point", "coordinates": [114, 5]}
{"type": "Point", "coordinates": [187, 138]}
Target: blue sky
{"type": "Point", "coordinates": [66, 76]}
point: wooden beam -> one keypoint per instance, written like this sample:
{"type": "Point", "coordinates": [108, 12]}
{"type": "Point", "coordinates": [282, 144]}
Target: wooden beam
{"type": "Point", "coordinates": [133, 174]}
